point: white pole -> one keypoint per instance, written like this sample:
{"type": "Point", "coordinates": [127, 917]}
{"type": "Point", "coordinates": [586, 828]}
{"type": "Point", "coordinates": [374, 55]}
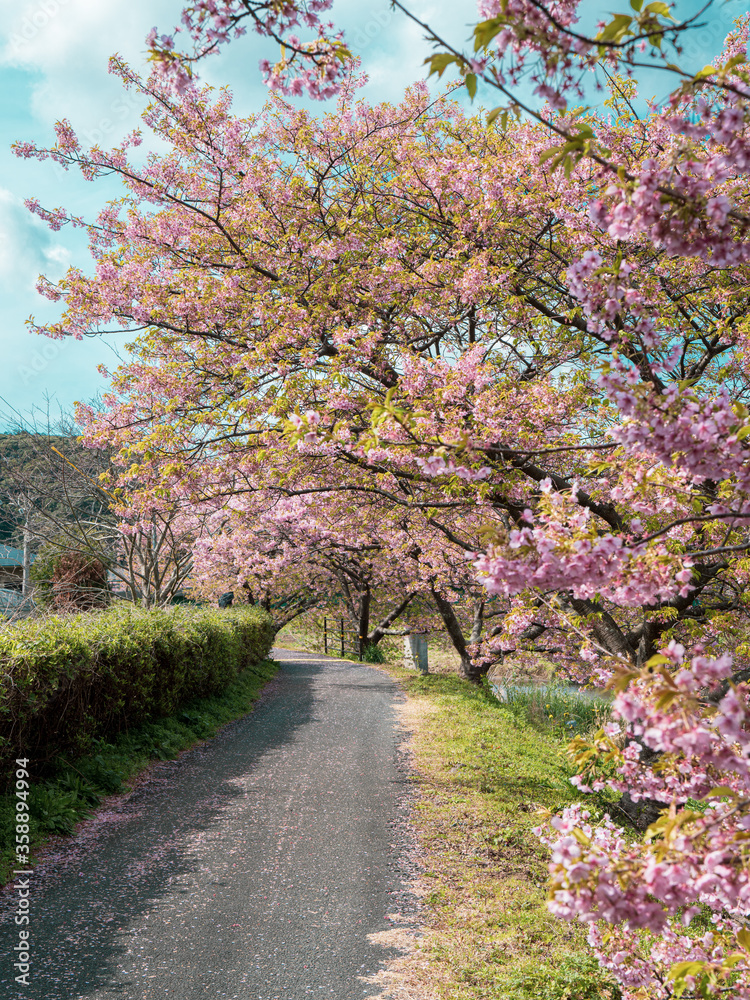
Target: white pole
{"type": "Point", "coordinates": [26, 585]}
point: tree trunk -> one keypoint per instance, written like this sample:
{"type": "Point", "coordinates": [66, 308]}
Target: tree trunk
{"type": "Point", "coordinates": [364, 621]}
{"type": "Point", "coordinates": [381, 630]}
{"type": "Point", "coordinates": [476, 628]}
{"type": "Point", "coordinates": [606, 631]}
{"type": "Point", "coordinates": [468, 670]}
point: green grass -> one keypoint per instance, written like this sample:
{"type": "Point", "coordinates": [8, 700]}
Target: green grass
{"type": "Point", "coordinates": [577, 977]}
{"type": "Point", "coordinates": [484, 770]}
{"type": "Point", "coordinates": [556, 706]}
{"type": "Point", "coordinates": [67, 793]}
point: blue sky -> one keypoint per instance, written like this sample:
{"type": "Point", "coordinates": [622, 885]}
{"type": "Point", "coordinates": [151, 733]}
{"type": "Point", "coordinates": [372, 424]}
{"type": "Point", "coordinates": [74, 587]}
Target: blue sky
{"type": "Point", "coordinates": [53, 64]}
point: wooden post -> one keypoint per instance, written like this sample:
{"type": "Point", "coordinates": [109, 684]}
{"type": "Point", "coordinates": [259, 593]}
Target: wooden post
{"type": "Point", "coordinates": [360, 643]}
{"type": "Point", "coordinates": [342, 638]}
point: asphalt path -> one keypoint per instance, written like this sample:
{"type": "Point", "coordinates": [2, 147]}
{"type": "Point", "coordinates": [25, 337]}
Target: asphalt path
{"type": "Point", "coordinates": [255, 866]}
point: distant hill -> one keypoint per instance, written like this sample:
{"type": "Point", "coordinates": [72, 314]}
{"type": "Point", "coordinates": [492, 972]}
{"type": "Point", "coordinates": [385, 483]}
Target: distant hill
{"type": "Point", "coordinates": [32, 473]}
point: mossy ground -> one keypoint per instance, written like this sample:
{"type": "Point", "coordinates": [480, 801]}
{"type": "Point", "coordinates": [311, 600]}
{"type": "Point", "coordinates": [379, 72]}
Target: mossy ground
{"type": "Point", "coordinates": [483, 772]}
{"type": "Point", "coordinates": [69, 790]}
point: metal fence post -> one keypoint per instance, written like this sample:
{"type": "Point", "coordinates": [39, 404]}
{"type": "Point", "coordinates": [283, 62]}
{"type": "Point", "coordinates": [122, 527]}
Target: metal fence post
{"type": "Point", "coordinates": [325, 635]}
{"type": "Point", "coordinates": [342, 638]}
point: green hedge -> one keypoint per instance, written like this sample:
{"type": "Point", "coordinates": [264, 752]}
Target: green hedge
{"type": "Point", "coordinates": [68, 679]}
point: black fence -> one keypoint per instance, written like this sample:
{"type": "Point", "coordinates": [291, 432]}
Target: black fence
{"type": "Point", "coordinates": [336, 636]}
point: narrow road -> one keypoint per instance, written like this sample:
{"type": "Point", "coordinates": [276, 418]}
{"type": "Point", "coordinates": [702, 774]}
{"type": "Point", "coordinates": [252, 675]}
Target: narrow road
{"type": "Point", "coordinates": [254, 867]}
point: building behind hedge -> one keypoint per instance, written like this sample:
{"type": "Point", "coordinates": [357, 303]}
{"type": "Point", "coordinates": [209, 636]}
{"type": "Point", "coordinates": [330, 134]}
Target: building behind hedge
{"type": "Point", "coordinates": [11, 568]}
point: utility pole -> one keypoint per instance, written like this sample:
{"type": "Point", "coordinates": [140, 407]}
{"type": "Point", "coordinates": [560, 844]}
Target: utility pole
{"type": "Point", "coordinates": [26, 584]}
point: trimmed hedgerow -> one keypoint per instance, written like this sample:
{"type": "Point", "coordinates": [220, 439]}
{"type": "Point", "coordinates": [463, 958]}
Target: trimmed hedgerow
{"type": "Point", "coordinates": [66, 680]}
{"type": "Point", "coordinates": [72, 789]}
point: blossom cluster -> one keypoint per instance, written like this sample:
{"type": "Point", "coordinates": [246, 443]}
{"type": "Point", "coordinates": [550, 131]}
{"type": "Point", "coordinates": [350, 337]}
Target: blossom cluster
{"type": "Point", "coordinates": [318, 67]}
{"type": "Point", "coordinates": [563, 551]}
{"type": "Point", "coordinates": [679, 736]}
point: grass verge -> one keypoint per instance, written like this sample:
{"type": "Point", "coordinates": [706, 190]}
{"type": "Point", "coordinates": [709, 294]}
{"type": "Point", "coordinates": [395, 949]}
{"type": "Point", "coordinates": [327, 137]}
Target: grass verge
{"type": "Point", "coordinates": [482, 772]}
{"type": "Point", "coordinates": [71, 790]}
{"type": "Point", "coordinates": [564, 710]}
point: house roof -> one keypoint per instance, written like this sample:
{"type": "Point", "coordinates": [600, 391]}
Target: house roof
{"type": "Point", "coordinates": [12, 557]}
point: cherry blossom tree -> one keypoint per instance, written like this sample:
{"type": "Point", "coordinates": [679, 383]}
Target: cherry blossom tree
{"type": "Point", "coordinates": [553, 47]}
{"type": "Point", "coordinates": [676, 902]}
{"type": "Point", "coordinates": [480, 269]}
{"type": "Point", "coordinates": [526, 344]}
{"type": "Point", "coordinates": [291, 555]}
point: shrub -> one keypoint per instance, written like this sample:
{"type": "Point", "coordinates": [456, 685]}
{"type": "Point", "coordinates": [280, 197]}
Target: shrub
{"type": "Point", "coordinates": [42, 571]}
{"type": "Point", "coordinates": [578, 977]}
{"type": "Point", "coordinates": [68, 580]}
{"type": "Point", "coordinates": [79, 583]}
{"type": "Point", "coordinates": [54, 811]}
{"type": "Point", "coordinates": [65, 680]}
{"type": "Point", "coordinates": [373, 654]}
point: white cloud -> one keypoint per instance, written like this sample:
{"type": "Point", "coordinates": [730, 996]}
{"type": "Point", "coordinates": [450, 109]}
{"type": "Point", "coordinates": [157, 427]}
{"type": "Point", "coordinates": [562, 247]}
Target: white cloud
{"type": "Point", "coordinates": [56, 52]}
{"type": "Point", "coordinates": [27, 248]}
{"type": "Point", "coordinates": [67, 43]}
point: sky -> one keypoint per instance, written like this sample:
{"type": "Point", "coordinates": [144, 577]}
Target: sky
{"type": "Point", "coordinates": [53, 65]}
